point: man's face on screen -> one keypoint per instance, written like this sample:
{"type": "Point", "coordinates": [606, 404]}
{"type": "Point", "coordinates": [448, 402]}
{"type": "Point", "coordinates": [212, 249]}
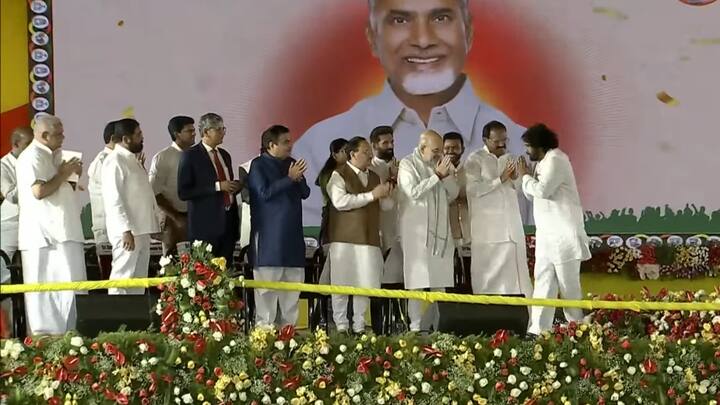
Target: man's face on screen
{"type": "Point", "coordinates": [421, 44]}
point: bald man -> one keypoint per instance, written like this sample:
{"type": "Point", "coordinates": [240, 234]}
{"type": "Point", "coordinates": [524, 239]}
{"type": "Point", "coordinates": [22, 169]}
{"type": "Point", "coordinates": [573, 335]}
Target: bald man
{"type": "Point", "coordinates": [20, 139]}
{"type": "Point", "coordinates": [50, 234]}
{"type": "Point", "coordinates": [427, 185]}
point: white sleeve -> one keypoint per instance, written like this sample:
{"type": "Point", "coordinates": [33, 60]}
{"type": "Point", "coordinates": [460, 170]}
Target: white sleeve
{"type": "Point", "coordinates": [410, 183]}
{"type": "Point", "coordinates": [112, 181]}
{"type": "Point", "coordinates": [548, 181]}
{"type": "Point", "coordinates": [341, 199]}
{"type": "Point", "coordinates": [157, 174]}
{"type": "Point", "coordinates": [477, 185]}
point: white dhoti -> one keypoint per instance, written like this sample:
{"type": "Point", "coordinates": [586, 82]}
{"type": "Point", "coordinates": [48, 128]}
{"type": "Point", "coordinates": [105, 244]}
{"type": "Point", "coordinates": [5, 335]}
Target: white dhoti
{"type": "Point", "coordinates": [549, 280]}
{"type": "Point", "coordinates": [9, 238]}
{"type": "Point", "coordinates": [267, 301]}
{"type": "Point", "coordinates": [53, 312]}
{"type": "Point", "coordinates": [355, 266]}
{"type": "Point", "coordinates": [500, 268]}
{"type": "Point", "coordinates": [127, 265]}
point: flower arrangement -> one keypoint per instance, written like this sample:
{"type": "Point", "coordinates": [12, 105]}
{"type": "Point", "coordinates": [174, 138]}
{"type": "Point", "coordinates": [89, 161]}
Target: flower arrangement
{"type": "Point", "coordinates": [622, 357]}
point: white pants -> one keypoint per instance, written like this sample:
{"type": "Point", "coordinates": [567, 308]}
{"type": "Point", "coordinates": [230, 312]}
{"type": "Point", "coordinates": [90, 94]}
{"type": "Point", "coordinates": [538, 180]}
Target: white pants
{"type": "Point", "coordinates": [9, 238]}
{"type": "Point", "coordinates": [267, 301]}
{"type": "Point", "coordinates": [423, 320]}
{"type": "Point", "coordinates": [549, 278]}
{"type": "Point", "coordinates": [53, 312]}
{"type": "Point", "coordinates": [127, 265]}
{"type": "Point", "coordinates": [339, 307]}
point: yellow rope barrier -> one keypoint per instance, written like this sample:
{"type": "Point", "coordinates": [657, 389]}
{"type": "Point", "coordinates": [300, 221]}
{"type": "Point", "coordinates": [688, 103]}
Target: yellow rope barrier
{"type": "Point", "coordinates": [373, 292]}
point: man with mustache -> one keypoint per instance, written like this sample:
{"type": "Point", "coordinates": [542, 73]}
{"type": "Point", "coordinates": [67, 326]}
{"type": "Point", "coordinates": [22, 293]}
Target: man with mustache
{"type": "Point", "coordinates": [453, 147]}
{"type": "Point", "coordinates": [130, 208]}
{"type": "Point", "coordinates": [422, 46]}
{"type": "Point", "coordinates": [499, 258]}
{"type": "Point", "coordinates": [561, 243]}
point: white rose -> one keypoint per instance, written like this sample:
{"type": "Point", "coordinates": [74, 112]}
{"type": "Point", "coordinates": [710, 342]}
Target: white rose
{"type": "Point", "coordinates": [280, 401]}
{"type": "Point", "coordinates": [356, 399]}
{"type": "Point", "coordinates": [233, 343]}
{"type": "Point", "coordinates": [343, 348]}
{"type": "Point", "coordinates": [144, 363]}
{"type": "Point", "coordinates": [574, 352]}
{"type": "Point", "coordinates": [242, 396]}
{"type": "Point", "coordinates": [351, 392]}
{"type": "Point", "coordinates": [436, 362]}
{"type": "Point", "coordinates": [497, 352]}
{"type": "Point", "coordinates": [525, 370]}
{"type": "Point", "coordinates": [153, 361]}
{"type": "Point", "coordinates": [563, 365]}
{"type": "Point", "coordinates": [512, 379]}
{"type": "Point", "coordinates": [187, 317]}
{"type": "Point", "coordinates": [76, 341]}
{"type": "Point", "coordinates": [184, 282]}
{"type": "Point", "coordinates": [72, 352]}
{"type": "Point", "coordinates": [413, 390]}
{"type": "Point", "coordinates": [339, 359]}
{"type": "Point", "coordinates": [324, 350]}
{"type": "Point", "coordinates": [426, 388]}
{"type": "Point", "coordinates": [143, 347]}
{"type": "Point", "coordinates": [556, 385]}
{"type": "Point", "coordinates": [631, 370]}
{"type": "Point", "coordinates": [217, 336]}
{"type": "Point", "coordinates": [83, 350]}
{"type": "Point", "coordinates": [470, 388]}
{"type": "Point", "coordinates": [187, 399]}
{"type": "Point", "coordinates": [381, 401]}
{"type": "Point", "coordinates": [165, 260]}
{"type": "Point", "coordinates": [483, 382]}
{"type": "Point", "coordinates": [627, 357]}
{"type": "Point", "coordinates": [220, 293]}
{"type": "Point", "coordinates": [186, 329]}
{"type": "Point", "coordinates": [176, 391]}
{"type": "Point", "coordinates": [515, 392]}
{"type": "Point", "coordinates": [191, 292]}
{"type": "Point", "coordinates": [702, 389]}
{"type": "Point", "coordinates": [568, 380]}
{"type": "Point", "coordinates": [513, 353]}
{"type": "Point", "coordinates": [418, 376]}
{"type": "Point", "coordinates": [523, 385]}
{"type": "Point", "coordinates": [233, 396]}
{"type": "Point", "coordinates": [226, 349]}
{"type": "Point", "coordinates": [279, 344]}
{"type": "Point", "coordinates": [208, 248]}
{"type": "Point", "coordinates": [476, 376]}
{"type": "Point", "coordinates": [266, 399]}
{"type": "Point", "coordinates": [200, 287]}
{"type": "Point", "coordinates": [615, 396]}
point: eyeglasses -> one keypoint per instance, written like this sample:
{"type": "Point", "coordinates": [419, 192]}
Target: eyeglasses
{"type": "Point", "coordinates": [221, 129]}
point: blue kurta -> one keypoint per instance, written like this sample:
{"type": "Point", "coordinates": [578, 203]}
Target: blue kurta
{"type": "Point", "coordinates": [276, 225]}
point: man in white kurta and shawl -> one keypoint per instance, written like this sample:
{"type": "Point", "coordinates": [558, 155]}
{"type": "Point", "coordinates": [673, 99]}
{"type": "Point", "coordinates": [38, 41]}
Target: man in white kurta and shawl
{"type": "Point", "coordinates": [354, 256]}
{"type": "Point", "coordinates": [499, 258]}
{"type": "Point", "coordinates": [427, 186]}
{"type": "Point", "coordinates": [560, 239]}
{"type": "Point", "coordinates": [50, 233]}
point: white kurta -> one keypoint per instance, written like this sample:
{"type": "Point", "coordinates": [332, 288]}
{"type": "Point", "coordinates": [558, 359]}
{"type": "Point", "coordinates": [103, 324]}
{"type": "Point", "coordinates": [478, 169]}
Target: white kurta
{"type": "Point", "coordinates": [130, 205]}
{"type": "Point", "coordinates": [393, 267]}
{"type": "Point", "coordinates": [560, 239]}
{"type": "Point", "coordinates": [96, 201]}
{"type": "Point", "coordinates": [499, 258]}
{"type": "Point", "coordinates": [51, 240]}
{"type": "Point", "coordinates": [427, 243]}
{"type": "Point", "coordinates": [9, 209]}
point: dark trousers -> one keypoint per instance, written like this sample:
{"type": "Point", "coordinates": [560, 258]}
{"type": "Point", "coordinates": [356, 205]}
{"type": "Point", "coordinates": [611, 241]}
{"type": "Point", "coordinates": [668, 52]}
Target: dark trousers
{"type": "Point", "coordinates": [225, 245]}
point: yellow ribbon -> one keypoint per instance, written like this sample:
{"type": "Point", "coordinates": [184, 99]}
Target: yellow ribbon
{"type": "Point", "coordinates": [636, 306]}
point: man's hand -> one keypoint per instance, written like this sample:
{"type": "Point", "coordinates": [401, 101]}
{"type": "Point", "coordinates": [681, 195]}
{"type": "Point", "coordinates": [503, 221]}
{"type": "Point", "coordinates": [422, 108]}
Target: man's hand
{"type": "Point", "coordinates": [128, 241]}
{"type": "Point", "coordinates": [394, 168]}
{"type": "Point", "coordinates": [382, 190]}
{"type": "Point", "coordinates": [141, 158]}
{"type": "Point", "coordinates": [508, 173]}
{"type": "Point", "coordinates": [444, 167]}
{"type": "Point", "coordinates": [230, 186]}
{"type": "Point", "coordinates": [522, 167]}
{"type": "Point", "coordinates": [297, 170]}
{"type": "Point", "coordinates": [70, 167]}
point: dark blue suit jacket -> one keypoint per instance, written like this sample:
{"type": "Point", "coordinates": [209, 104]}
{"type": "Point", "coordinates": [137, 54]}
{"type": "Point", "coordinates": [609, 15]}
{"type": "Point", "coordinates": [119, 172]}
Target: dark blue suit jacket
{"type": "Point", "coordinates": [206, 207]}
{"type": "Point", "coordinates": [276, 228]}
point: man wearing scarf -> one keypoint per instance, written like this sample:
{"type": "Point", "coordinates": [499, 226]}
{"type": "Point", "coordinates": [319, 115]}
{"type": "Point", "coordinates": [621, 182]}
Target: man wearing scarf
{"type": "Point", "coordinates": [427, 185]}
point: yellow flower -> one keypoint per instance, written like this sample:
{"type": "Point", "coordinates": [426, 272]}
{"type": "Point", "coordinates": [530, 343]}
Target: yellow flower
{"type": "Point", "coordinates": [402, 343]}
{"type": "Point", "coordinates": [321, 385]}
{"type": "Point", "coordinates": [191, 365]}
{"type": "Point", "coordinates": [398, 354]}
{"type": "Point", "coordinates": [451, 386]}
{"type": "Point", "coordinates": [201, 397]}
{"type": "Point", "coordinates": [480, 400]}
{"type": "Point", "coordinates": [220, 263]}
{"type": "Point", "coordinates": [380, 380]}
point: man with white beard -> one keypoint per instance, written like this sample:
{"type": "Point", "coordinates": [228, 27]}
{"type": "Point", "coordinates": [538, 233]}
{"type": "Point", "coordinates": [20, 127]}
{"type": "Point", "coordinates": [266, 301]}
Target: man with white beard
{"type": "Point", "coordinates": [50, 234]}
{"type": "Point", "coordinates": [499, 259]}
{"type": "Point", "coordinates": [561, 243]}
{"type": "Point", "coordinates": [427, 185]}
{"type": "Point", "coordinates": [422, 46]}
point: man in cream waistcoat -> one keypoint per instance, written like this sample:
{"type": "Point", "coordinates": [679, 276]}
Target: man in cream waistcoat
{"type": "Point", "coordinates": [355, 258]}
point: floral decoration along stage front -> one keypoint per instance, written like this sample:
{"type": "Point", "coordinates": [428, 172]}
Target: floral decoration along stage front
{"type": "Point", "coordinates": [200, 358]}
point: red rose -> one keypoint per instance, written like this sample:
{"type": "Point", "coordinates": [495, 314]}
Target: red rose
{"type": "Point", "coordinates": [387, 365]}
{"type": "Point", "coordinates": [28, 341]}
{"type": "Point", "coordinates": [650, 366]}
{"type": "Point", "coordinates": [583, 362]}
{"type": "Point", "coordinates": [267, 379]}
{"type": "Point", "coordinates": [199, 346]}
{"type": "Point", "coordinates": [286, 333]}
{"type": "Point", "coordinates": [122, 399]}
{"type": "Point", "coordinates": [626, 344]}
{"type": "Point", "coordinates": [259, 362]}
{"type": "Point", "coordinates": [54, 401]}
{"type": "Point", "coordinates": [389, 350]}
{"type": "Point", "coordinates": [499, 386]}
{"type": "Point", "coordinates": [185, 258]}
{"type": "Point", "coordinates": [671, 392]}
{"type": "Point", "coordinates": [71, 362]}
{"type": "Point", "coordinates": [217, 371]}
{"type": "Point", "coordinates": [210, 383]}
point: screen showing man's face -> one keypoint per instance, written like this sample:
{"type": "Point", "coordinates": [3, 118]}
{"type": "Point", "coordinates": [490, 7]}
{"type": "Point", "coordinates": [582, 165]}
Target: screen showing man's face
{"type": "Point", "coordinates": [421, 44]}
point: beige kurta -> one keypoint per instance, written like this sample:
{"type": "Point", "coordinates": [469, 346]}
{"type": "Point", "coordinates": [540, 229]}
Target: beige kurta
{"type": "Point", "coordinates": [427, 243]}
{"type": "Point", "coordinates": [499, 259]}
{"type": "Point", "coordinates": [393, 267]}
